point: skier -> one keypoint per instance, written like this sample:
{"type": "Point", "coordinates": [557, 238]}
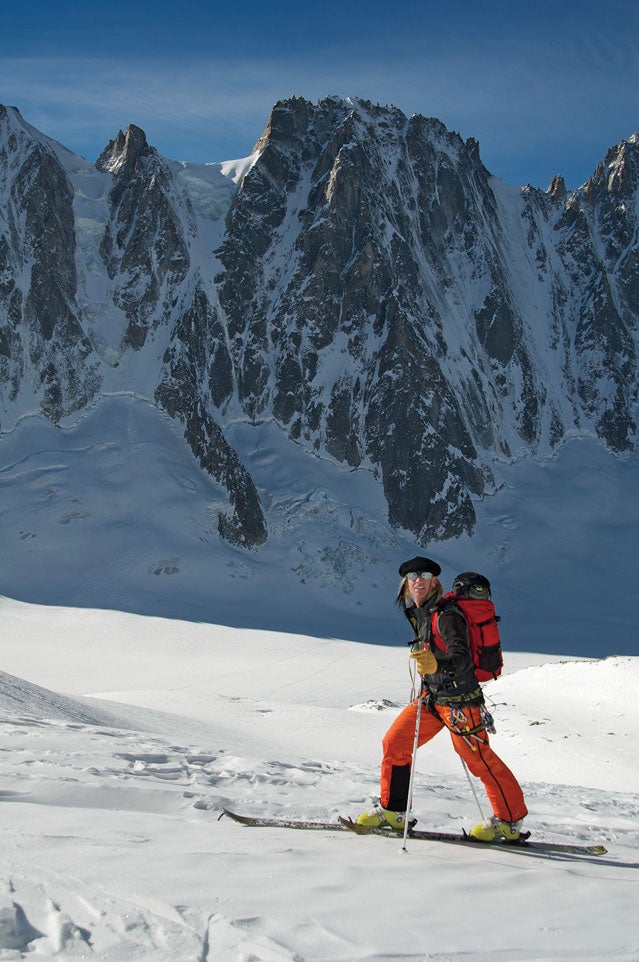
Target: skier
{"type": "Point", "coordinates": [453, 699]}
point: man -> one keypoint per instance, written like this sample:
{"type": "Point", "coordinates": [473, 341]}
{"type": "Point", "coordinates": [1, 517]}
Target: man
{"type": "Point", "coordinates": [452, 699]}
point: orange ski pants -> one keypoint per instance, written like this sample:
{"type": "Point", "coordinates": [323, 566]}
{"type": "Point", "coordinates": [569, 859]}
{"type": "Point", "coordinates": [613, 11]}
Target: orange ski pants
{"type": "Point", "coordinates": [501, 786]}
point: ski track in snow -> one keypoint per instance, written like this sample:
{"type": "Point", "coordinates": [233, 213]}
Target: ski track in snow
{"type": "Point", "coordinates": [111, 846]}
{"type": "Point", "coordinates": [117, 793]}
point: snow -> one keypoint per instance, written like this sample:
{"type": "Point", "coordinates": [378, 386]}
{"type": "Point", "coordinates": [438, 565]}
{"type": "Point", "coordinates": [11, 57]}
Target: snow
{"type": "Point", "coordinates": [211, 187]}
{"type": "Point", "coordinates": [111, 510]}
{"type": "Point", "coordinates": [123, 736]}
{"type": "Point", "coordinates": [237, 169]}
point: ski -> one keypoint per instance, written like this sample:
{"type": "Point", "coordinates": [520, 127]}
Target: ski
{"type": "Point", "coordinates": [264, 822]}
{"type": "Point", "coordinates": [523, 843]}
{"type": "Point", "coordinates": [346, 824]}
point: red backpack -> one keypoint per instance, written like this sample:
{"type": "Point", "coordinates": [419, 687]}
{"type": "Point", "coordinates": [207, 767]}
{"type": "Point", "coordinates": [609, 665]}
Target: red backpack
{"type": "Point", "coordinates": [471, 594]}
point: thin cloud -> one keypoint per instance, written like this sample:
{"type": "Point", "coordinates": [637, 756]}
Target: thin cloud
{"type": "Point", "coordinates": [519, 102]}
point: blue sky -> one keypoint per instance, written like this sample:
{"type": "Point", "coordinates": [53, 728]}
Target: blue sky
{"type": "Point", "coordinates": [546, 87]}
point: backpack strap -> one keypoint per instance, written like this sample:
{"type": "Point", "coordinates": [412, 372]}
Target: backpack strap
{"type": "Point", "coordinates": [447, 605]}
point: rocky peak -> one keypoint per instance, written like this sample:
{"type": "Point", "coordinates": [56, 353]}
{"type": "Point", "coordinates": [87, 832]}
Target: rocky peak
{"type": "Point", "coordinates": [557, 187]}
{"type": "Point", "coordinates": [123, 153]}
{"type": "Point", "coordinates": [5, 115]}
{"type": "Point", "coordinates": [618, 173]}
{"type": "Point", "coordinates": [143, 246]}
{"type": "Point", "coordinates": [472, 146]}
{"type": "Point", "coordinates": [11, 119]}
{"type": "Point", "coordinates": [17, 138]}
{"type": "Point", "coordinates": [623, 168]}
{"type": "Point", "coordinates": [289, 119]}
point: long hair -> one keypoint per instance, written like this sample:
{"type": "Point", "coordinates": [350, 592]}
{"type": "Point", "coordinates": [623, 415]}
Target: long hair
{"type": "Point", "coordinates": [403, 599]}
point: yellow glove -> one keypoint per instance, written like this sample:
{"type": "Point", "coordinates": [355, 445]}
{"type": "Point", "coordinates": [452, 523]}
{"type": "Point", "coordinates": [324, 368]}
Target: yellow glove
{"type": "Point", "coordinates": [425, 661]}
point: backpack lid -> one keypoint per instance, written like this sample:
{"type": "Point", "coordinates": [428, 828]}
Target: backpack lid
{"type": "Point", "coordinates": [470, 584]}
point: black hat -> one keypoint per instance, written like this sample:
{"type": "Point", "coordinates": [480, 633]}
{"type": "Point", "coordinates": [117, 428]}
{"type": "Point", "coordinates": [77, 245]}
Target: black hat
{"type": "Point", "coordinates": [419, 564]}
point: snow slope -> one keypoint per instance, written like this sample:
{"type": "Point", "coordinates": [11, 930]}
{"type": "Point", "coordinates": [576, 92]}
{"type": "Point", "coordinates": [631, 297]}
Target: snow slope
{"type": "Point", "coordinates": [114, 512]}
{"type": "Point", "coordinates": [114, 769]}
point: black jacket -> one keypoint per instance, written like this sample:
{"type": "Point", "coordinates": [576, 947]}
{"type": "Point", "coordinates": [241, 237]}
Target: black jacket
{"type": "Point", "coordinates": [454, 682]}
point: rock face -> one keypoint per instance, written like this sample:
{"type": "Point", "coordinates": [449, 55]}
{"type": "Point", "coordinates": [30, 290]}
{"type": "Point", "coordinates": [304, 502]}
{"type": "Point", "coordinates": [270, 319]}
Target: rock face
{"type": "Point", "coordinates": [394, 305]}
{"type": "Point", "coordinates": [368, 285]}
{"type": "Point", "coordinates": [42, 344]}
{"type": "Point", "coordinates": [143, 246]}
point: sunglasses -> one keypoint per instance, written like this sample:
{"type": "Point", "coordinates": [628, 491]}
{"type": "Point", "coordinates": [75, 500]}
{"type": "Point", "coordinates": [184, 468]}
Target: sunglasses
{"type": "Point", "coordinates": [414, 575]}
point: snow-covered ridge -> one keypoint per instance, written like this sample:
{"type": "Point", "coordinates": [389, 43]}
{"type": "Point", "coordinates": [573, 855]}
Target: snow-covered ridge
{"type": "Point", "coordinates": [19, 697]}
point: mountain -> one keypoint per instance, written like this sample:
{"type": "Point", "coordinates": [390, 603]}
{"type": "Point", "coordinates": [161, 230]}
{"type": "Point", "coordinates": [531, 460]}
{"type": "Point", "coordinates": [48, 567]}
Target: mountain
{"type": "Point", "coordinates": [360, 290]}
{"type": "Point", "coordinates": [395, 306]}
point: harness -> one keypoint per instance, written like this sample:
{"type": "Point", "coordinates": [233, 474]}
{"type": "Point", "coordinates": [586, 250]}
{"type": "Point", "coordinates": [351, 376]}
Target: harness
{"type": "Point", "coordinates": [458, 722]}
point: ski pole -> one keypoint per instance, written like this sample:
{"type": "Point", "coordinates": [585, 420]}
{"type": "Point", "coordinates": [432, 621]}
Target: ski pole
{"type": "Point", "coordinates": [465, 766]}
{"type": "Point", "coordinates": [409, 803]}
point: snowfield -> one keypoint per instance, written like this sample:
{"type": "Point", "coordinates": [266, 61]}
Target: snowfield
{"type": "Point", "coordinates": [123, 736]}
